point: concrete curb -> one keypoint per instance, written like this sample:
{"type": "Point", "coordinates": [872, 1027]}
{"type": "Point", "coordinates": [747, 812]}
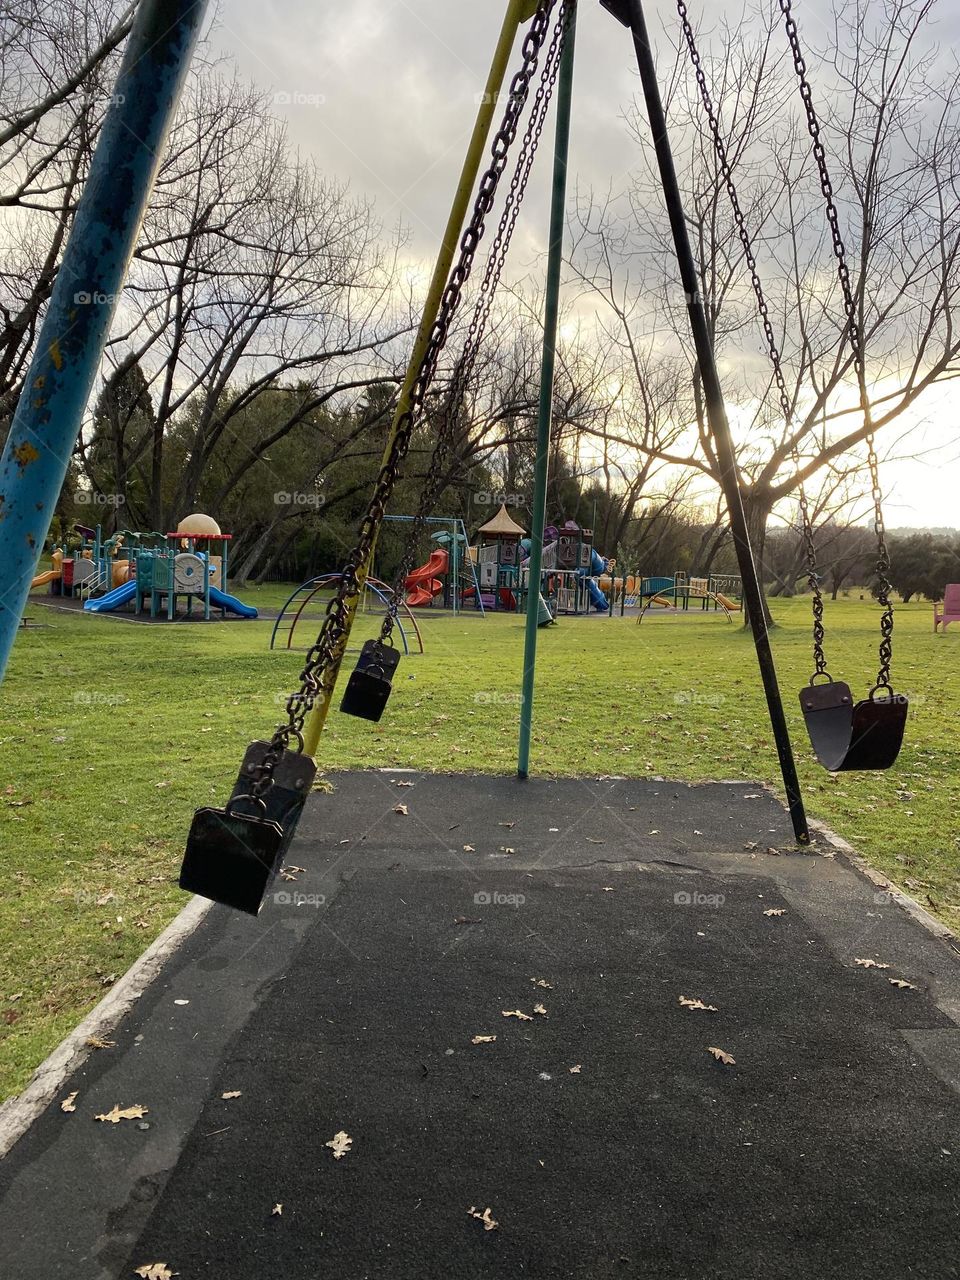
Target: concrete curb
{"type": "Point", "coordinates": [17, 1114]}
{"type": "Point", "coordinates": [910, 905]}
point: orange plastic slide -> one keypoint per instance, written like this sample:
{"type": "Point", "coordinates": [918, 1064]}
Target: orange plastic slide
{"type": "Point", "coordinates": [423, 584]}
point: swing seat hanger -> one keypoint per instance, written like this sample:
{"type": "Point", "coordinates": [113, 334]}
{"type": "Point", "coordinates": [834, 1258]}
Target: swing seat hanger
{"type": "Point", "coordinates": [371, 684]}
{"type": "Point", "coordinates": [846, 735]}
{"type": "Point", "coordinates": [234, 854]}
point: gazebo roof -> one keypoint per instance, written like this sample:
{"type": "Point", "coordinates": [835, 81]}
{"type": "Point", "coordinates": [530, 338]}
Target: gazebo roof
{"type": "Point", "coordinates": [502, 525]}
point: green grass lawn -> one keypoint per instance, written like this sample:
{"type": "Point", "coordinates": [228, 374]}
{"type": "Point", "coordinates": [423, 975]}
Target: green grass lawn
{"type": "Point", "coordinates": [112, 734]}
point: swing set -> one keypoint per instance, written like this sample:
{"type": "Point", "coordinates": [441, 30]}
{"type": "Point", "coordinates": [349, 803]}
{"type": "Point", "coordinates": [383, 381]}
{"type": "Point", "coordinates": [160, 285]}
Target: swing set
{"type": "Point", "coordinates": [233, 853]}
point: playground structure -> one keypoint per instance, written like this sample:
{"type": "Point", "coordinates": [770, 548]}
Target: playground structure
{"type": "Point", "coordinates": [448, 577]}
{"type": "Point", "coordinates": [150, 570]}
{"type": "Point", "coordinates": [318, 588]}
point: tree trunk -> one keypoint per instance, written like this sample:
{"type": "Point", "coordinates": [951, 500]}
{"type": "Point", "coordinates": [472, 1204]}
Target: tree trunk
{"type": "Point", "coordinates": [757, 510]}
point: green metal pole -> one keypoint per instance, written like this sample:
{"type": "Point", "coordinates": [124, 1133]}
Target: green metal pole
{"type": "Point", "coordinates": [547, 370]}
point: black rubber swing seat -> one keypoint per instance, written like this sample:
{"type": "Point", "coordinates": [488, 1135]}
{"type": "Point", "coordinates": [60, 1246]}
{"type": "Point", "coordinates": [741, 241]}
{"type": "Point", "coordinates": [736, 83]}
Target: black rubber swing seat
{"type": "Point", "coordinates": [234, 854]}
{"type": "Point", "coordinates": [846, 735]}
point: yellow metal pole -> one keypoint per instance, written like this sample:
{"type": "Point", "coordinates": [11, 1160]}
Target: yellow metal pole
{"type": "Point", "coordinates": [518, 12]}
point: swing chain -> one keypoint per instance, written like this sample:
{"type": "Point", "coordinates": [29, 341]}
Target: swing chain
{"type": "Point", "coordinates": [773, 349]}
{"type": "Point", "coordinates": [323, 659]}
{"type": "Point", "coordinates": [460, 379]}
{"type": "Point", "coordinates": [855, 332]}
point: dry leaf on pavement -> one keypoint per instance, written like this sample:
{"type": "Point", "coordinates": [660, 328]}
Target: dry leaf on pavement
{"type": "Point", "coordinates": [155, 1271]}
{"type": "Point", "coordinates": [127, 1113]}
{"type": "Point", "coordinates": [575, 1071]}
{"type": "Point", "coordinates": [68, 1103]}
{"type": "Point", "coordinates": [516, 1013]}
{"type": "Point", "coordinates": [542, 982]}
{"type": "Point", "coordinates": [234, 1093]}
{"type": "Point", "coordinates": [870, 964]}
{"type": "Point", "coordinates": [489, 1221]}
{"type": "Point", "coordinates": [339, 1144]}
{"type": "Point", "coordinates": [276, 1211]}
{"type": "Point", "coordinates": [483, 1039]}
{"type": "Point", "coordinates": [775, 911]}
{"type": "Point", "coordinates": [723, 1057]}
{"type": "Point", "coordinates": [400, 808]}
{"type": "Point", "coordinates": [538, 1008]}
{"type": "Point", "coordinates": [902, 984]}
{"type": "Point", "coordinates": [697, 1004]}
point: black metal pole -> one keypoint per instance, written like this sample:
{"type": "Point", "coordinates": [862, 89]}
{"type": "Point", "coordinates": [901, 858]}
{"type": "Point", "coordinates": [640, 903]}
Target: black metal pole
{"type": "Point", "coordinates": [630, 12]}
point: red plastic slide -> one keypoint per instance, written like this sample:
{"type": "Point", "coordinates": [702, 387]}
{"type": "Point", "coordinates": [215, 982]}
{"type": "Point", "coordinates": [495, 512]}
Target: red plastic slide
{"type": "Point", "coordinates": [423, 584]}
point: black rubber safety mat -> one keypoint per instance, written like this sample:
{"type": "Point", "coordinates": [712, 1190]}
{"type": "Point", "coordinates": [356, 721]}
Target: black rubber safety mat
{"type": "Point", "coordinates": [601, 1134]}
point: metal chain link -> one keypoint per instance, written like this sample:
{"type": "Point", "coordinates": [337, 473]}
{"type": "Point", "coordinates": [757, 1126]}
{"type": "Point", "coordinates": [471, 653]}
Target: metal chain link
{"type": "Point", "coordinates": [773, 349]}
{"type": "Point", "coordinates": [857, 345]}
{"type": "Point", "coordinates": [323, 657]}
{"type": "Point", "coordinates": [450, 414]}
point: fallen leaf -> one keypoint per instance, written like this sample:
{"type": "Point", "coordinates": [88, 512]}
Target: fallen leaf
{"type": "Point", "coordinates": [339, 1144]}
{"type": "Point", "coordinates": [655, 832]}
{"type": "Point", "coordinates": [406, 784]}
{"type": "Point", "coordinates": [489, 1221]}
{"type": "Point", "coordinates": [516, 1013]}
{"type": "Point", "coordinates": [775, 911]}
{"type": "Point", "coordinates": [592, 840]}
{"type": "Point", "coordinates": [68, 1103]}
{"type": "Point", "coordinates": [698, 1004]}
{"type": "Point", "coordinates": [575, 1071]}
{"type": "Point", "coordinates": [698, 833]}
{"type": "Point", "coordinates": [870, 964]}
{"type": "Point", "coordinates": [400, 808]}
{"type": "Point", "coordinates": [468, 848]}
{"type": "Point", "coordinates": [483, 1039]}
{"type": "Point", "coordinates": [508, 825]}
{"type": "Point", "coordinates": [607, 888]}
{"type": "Point", "coordinates": [902, 984]}
{"type": "Point", "coordinates": [506, 849]}
{"type": "Point", "coordinates": [276, 1211]}
{"type": "Point", "coordinates": [541, 982]}
{"type": "Point", "coordinates": [94, 1042]}
{"type": "Point", "coordinates": [234, 1093]}
{"type": "Point", "coordinates": [128, 1113]}
{"type": "Point", "coordinates": [181, 1002]}
{"type": "Point", "coordinates": [723, 1057]}
{"type": "Point", "coordinates": [538, 1008]}
{"type": "Point", "coordinates": [285, 875]}
{"type": "Point", "coordinates": [155, 1271]}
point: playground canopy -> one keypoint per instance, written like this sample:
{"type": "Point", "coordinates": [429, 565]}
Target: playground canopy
{"type": "Point", "coordinates": [502, 525]}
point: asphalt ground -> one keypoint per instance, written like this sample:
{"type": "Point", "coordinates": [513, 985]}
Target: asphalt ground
{"type": "Point", "coordinates": [599, 1128]}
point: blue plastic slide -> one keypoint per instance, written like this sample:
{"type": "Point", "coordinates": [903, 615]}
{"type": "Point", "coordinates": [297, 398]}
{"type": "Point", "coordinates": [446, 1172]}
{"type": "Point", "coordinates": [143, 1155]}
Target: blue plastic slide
{"type": "Point", "coordinates": [597, 566]}
{"type": "Point", "coordinates": [232, 604]}
{"type": "Point", "coordinates": [600, 601]}
{"type": "Point", "coordinates": [113, 599]}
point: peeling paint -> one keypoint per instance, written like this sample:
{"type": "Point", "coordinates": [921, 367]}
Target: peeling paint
{"type": "Point", "coordinates": [31, 542]}
{"type": "Point", "coordinates": [55, 355]}
{"type": "Point", "coordinates": [24, 454]}
{"type": "Point", "coordinates": [40, 382]}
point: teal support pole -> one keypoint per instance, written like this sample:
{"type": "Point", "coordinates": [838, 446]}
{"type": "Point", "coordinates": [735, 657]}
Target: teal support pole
{"type": "Point", "coordinates": [70, 344]}
{"type": "Point", "coordinates": [551, 316]}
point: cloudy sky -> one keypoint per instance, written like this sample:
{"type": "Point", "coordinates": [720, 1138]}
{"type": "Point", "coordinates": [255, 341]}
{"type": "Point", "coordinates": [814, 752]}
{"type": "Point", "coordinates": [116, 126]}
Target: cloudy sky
{"type": "Point", "coordinates": [383, 93]}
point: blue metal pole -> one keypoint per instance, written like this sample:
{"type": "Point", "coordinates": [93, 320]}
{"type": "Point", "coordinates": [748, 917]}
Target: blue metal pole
{"type": "Point", "coordinates": [547, 372]}
{"type": "Point", "coordinates": [70, 344]}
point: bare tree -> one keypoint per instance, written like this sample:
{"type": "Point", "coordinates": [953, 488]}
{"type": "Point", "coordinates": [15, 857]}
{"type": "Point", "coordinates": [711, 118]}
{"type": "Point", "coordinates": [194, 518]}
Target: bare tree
{"type": "Point", "coordinates": [891, 109]}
